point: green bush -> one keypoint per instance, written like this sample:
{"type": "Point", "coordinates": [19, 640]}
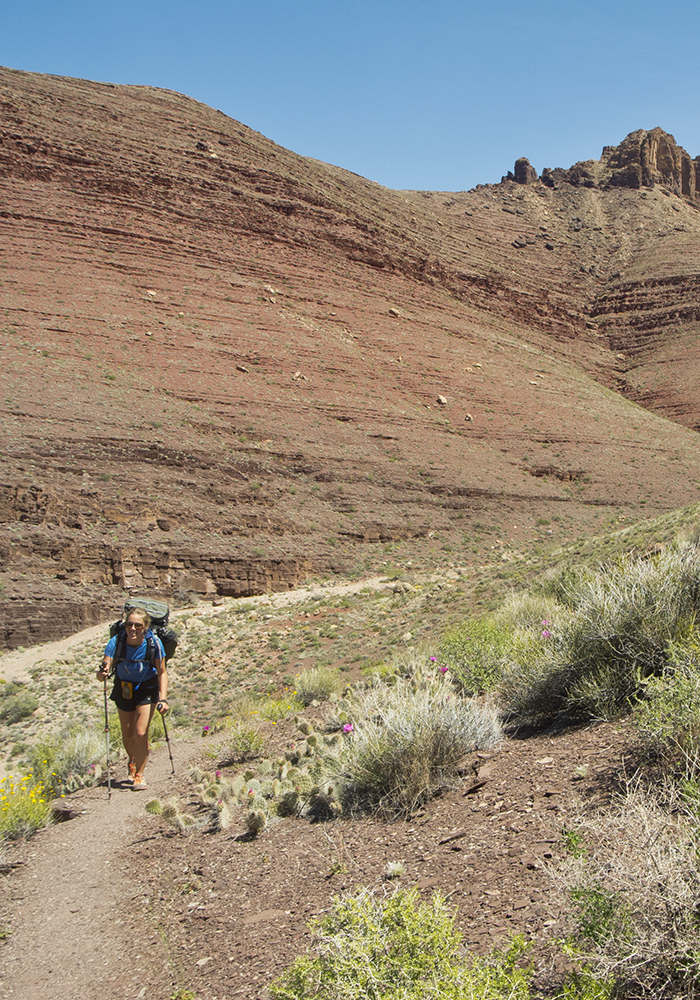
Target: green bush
{"type": "Point", "coordinates": [398, 948]}
{"type": "Point", "coordinates": [476, 652]}
{"type": "Point", "coordinates": [317, 684]}
{"type": "Point", "coordinates": [15, 707]}
{"type": "Point", "coordinates": [669, 715]}
{"type": "Point", "coordinates": [275, 709]}
{"type": "Point", "coordinates": [409, 743]}
{"type": "Point", "coordinates": [243, 743]}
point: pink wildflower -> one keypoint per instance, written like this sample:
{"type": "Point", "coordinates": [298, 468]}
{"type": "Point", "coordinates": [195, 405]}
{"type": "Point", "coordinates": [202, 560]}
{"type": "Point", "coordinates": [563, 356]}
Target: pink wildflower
{"type": "Point", "coordinates": [348, 728]}
{"type": "Point", "coordinates": [546, 634]}
{"type": "Point", "coordinates": [443, 670]}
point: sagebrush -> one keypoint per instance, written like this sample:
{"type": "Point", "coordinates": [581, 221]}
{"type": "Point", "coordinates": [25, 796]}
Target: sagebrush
{"type": "Point", "coordinates": [634, 895]}
{"type": "Point", "coordinates": [612, 633]}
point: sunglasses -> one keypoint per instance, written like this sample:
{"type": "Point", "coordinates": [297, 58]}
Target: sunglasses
{"type": "Point", "coordinates": [134, 625]}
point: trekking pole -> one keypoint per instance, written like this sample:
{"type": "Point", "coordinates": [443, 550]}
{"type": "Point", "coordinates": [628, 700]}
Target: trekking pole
{"type": "Point", "coordinates": [109, 773]}
{"type": "Point", "coordinates": [167, 738]}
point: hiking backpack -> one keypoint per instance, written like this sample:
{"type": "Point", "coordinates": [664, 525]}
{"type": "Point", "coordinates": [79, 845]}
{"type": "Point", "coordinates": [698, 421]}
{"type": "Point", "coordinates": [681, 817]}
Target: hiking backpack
{"type": "Point", "coordinates": [159, 613]}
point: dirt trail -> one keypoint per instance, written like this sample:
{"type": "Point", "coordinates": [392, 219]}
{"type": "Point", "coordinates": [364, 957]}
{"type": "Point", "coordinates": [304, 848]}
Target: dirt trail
{"type": "Point", "coordinates": [73, 914]}
{"type": "Point", "coordinates": [71, 910]}
{"type": "Point", "coordinates": [15, 665]}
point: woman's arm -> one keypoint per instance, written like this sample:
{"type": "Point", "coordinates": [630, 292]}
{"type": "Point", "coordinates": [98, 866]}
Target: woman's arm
{"type": "Point", "coordinates": [162, 685]}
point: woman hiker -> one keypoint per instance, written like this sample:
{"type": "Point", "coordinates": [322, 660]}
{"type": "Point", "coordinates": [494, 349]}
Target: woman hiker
{"type": "Point", "coordinates": [140, 685]}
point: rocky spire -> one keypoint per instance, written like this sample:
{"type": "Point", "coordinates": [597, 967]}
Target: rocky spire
{"type": "Point", "coordinates": [643, 159]}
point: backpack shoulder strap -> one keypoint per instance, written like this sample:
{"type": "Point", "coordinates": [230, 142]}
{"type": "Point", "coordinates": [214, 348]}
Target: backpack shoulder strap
{"type": "Point", "coordinates": [119, 649]}
{"type": "Point", "coordinates": [151, 648]}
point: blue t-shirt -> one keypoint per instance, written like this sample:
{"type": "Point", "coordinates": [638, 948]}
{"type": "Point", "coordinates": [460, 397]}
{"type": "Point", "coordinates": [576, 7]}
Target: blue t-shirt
{"type": "Point", "coordinates": [135, 667]}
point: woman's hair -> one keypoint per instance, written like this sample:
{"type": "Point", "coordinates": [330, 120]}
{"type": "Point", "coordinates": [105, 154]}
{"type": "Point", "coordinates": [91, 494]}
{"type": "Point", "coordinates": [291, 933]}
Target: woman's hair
{"type": "Point", "coordinates": [141, 613]}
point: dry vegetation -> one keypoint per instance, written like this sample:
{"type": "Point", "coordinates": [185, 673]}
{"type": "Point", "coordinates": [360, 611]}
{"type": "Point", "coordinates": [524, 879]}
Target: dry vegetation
{"type": "Point", "coordinates": [382, 737]}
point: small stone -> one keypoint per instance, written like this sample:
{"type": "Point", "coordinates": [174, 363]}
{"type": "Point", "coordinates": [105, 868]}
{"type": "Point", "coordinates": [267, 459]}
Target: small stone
{"type": "Point", "coordinates": [442, 401]}
{"type": "Point", "coordinates": [241, 368]}
{"type": "Point", "coordinates": [394, 312]}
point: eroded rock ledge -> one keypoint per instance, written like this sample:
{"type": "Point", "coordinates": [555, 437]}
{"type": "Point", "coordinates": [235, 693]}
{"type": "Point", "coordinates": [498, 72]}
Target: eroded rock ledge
{"type": "Point", "coordinates": [643, 159]}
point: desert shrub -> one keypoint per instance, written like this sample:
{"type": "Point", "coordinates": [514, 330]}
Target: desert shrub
{"type": "Point", "coordinates": [242, 743]}
{"type": "Point", "coordinates": [16, 706]}
{"type": "Point", "coordinates": [475, 653]}
{"type": "Point", "coordinates": [595, 659]}
{"type": "Point", "coordinates": [64, 763]}
{"type": "Point", "coordinates": [668, 718]}
{"type": "Point", "coordinates": [23, 807]}
{"type": "Point", "coordinates": [385, 748]}
{"type": "Point", "coordinates": [528, 610]}
{"type": "Point", "coordinates": [316, 684]}
{"type": "Point", "coordinates": [408, 744]}
{"type": "Point", "coordinates": [562, 584]}
{"type": "Point", "coordinates": [634, 896]}
{"type": "Point", "coordinates": [243, 707]}
{"type": "Point", "coordinates": [275, 709]}
{"type": "Point", "coordinates": [397, 948]}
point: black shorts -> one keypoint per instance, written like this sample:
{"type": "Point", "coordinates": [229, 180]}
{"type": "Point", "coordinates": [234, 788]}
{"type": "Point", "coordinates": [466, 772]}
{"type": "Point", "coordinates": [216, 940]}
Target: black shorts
{"type": "Point", "coordinates": [145, 693]}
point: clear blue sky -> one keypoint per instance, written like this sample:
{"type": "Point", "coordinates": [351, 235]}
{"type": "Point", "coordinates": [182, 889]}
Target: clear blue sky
{"type": "Point", "coordinates": [438, 95]}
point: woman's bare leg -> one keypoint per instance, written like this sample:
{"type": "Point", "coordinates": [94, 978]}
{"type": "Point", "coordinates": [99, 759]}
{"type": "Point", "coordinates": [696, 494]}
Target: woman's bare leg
{"type": "Point", "coordinates": [126, 720]}
{"type": "Point", "coordinates": [142, 720]}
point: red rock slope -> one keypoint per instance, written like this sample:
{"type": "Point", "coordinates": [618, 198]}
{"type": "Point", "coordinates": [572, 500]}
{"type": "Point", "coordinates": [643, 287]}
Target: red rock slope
{"type": "Point", "coordinates": [226, 365]}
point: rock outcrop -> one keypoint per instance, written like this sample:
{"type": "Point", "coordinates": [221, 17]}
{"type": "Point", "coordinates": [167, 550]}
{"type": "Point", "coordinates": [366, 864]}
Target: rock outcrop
{"type": "Point", "coordinates": [525, 173]}
{"type": "Point", "coordinates": [643, 159]}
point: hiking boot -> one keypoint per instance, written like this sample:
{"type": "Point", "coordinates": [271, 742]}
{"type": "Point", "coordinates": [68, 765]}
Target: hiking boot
{"type": "Point", "coordinates": [139, 783]}
{"type": "Point", "coordinates": [132, 771]}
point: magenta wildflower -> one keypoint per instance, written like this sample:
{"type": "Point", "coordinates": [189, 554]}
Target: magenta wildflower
{"type": "Point", "coordinates": [546, 634]}
{"type": "Point", "coordinates": [348, 728]}
{"type": "Point", "coordinates": [443, 670]}
{"type": "Point", "coordinates": [433, 659]}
